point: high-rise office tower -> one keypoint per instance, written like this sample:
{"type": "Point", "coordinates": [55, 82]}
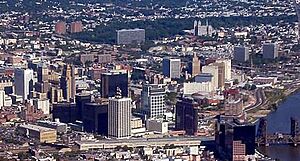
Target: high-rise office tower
{"type": "Point", "coordinates": [270, 51]}
{"type": "Point", "coordinates": [67, 83]}
{"type": "Point", "coordinates": [153, 100]}
{"type": "Point", "coordinates": [23, 82]}
{"type": "Point", "coordinates": [55, 94]}
{"type": "Point", "coordinates": [130, 36]}
{"type": "Point", "coordinates": [221, 74]}
{"type": "Point", "coordinates": [42, 85]}
{"type": "Point", "coordinates": [230, 134]}
{"type": "Point", "coordinates": [2, 98]}
{"type": "Point", "coordinates": [76, 27]}
{"type": "Point", "coordinates": [187, 115]}
{"type": "Point", "coordinates": [221, 71]}
{"type": "Point", "coordinates": [95, 118]}
{"type": "Point", "coordinates": [171, 67]}
{"type": "Point", "coordinates": [110, 81]}
{"type": "Point", "coordinates": [60, 27]}
{"type": "Point", "coordinates": [241, 54]}
{"type": "Point", "coordinates": [214, 71]}
{"type": "Point", "coordinates": [66, 112]}
{"type": "Point", "coordinates": [119, 116]}
{"type": "Point", "coordinates": [195, 65]}
{"type": "Point", "coordinates": [227, 68]}
{"type": "Point", "coordinates": [42, 72]}
{"type": "Point", "coordinates": [81, 99]}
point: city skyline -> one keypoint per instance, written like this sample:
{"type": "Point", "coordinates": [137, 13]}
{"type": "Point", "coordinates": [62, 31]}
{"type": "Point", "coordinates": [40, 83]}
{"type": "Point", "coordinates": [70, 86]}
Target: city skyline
{"type": "Point", "coordinates": [149, 80]}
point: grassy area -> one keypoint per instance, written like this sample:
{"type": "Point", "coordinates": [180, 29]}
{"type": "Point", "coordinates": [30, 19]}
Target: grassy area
{"type": "Point", "coordinates": [275, 95]}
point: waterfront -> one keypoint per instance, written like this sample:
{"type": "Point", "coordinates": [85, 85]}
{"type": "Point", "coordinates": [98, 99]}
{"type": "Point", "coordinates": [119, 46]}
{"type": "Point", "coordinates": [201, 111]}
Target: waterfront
{"type": "Point", "coordinates": [279, 121]}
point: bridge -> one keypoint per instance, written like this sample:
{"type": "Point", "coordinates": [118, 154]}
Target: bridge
{"type": "Point", "coordinates": [265, 139]}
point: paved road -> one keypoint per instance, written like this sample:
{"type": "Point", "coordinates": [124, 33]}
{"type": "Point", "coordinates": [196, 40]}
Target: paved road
{"type": "Point", "coordinates": [260, 100]}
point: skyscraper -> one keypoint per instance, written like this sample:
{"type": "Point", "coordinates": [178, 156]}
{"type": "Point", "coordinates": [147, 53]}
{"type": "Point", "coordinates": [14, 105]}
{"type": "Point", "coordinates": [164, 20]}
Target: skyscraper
{"type": "Point", "coordinates": [2, 98]}
{"type": "Point", "coordinates": [153, 100]}
{"type": "Point", "coordinates": [95, 118]}
{"type": "Point", "coordinates": [195, 65]}
{"type": "Point", "coordinates": [42, 72]}
{"type": "Point", "coordinates": [221, 71]}
{"type": "Point", "coordinates": [187, 115]}
{"type": "Point", "coordinates": [221, 74]}
{"type": "Point", "coordinates": [81, 99]}
{"type": "Point", "coordinates": [119, 116]}
{"type": "Point", "coordinates": [76, 27]}
{"type": "Point", "coordinates": [42, 85]}
{"type": "Point", "coordinates": [270, 51]}
{"type": "Point", "coordinates": [60, 27]}
{"type": "Point", "coordinates": [23, 82]}
{"type": "Point", "coordinates": [227, 68]}
{"type": "Point", "coordinates": [214, 71]}
{"type": "Point", "coordinates": [67, 83]}
{"type": "Point", "coordinates": [171, 67]}
{"type": "Point", "coordinates": [110, 81]}
{"type": "Point", "coordinates": [231, 134]}
{"type": "Point", "coordinates": [241, 54]}
{"type": "Point", "coordinates": [66, 112]}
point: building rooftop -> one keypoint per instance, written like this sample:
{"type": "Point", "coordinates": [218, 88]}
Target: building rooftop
{"type": "Point", "coordinates": [35, 127]}
{"type": "Point", "coordinates": [51, 123]}
{"type": "Point", "coordinates": [136, 29]}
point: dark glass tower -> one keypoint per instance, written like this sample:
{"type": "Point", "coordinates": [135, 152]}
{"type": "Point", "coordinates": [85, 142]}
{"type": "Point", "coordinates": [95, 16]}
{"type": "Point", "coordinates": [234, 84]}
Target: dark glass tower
{"type": "Point", "coordinates": [187, 115]}
{"type": "Point", "coordinates": [110, 82]}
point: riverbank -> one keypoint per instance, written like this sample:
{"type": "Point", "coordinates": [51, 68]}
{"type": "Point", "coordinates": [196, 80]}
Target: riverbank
{"type": "Point", "coordinates": [271, 104]}
{"type": "Point", "coordinates": [279, 122]}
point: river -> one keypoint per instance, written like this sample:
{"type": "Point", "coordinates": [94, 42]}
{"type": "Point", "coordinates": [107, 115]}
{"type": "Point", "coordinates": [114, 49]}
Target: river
{"type": "Point", "coordinates": [279, 121]}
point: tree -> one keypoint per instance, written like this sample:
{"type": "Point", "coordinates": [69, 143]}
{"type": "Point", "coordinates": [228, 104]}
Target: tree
{"type": "Point", "coordinates": [171, 97]}
{"type": "Point", "coordinates": [88, 63]}
{"type": "Point", "coordinates": [253, 87]}
{"type": "Point", "coordinates": [235, 82]}
{"type": "Point", "coordinates": [23, 155]}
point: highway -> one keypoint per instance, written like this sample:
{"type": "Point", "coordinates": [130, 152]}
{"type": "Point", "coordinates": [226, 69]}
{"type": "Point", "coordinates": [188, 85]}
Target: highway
{"type": "Point", "coordinates": [260, 100]}
{"type": "Point", "coordinates": [142, 142]}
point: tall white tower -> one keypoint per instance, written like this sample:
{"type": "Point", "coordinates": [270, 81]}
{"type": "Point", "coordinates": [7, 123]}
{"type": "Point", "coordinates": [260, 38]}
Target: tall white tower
{"type": "Point", "coordinates": [119, 116]}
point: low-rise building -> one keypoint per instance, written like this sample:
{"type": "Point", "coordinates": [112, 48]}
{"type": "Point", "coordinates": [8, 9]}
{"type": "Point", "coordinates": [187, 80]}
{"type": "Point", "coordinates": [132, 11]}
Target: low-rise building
{"type": "Point", "coordinates": [43, 134]}
{"type": "Point", "coordinates": [157, 125]}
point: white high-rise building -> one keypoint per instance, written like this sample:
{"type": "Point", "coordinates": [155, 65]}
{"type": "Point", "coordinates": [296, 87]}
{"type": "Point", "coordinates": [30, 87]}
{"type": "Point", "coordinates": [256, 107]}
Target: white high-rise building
{"type": "Point", "coordinates": [171, 67]}
{"type": "Point", "coordinates": [42, 104]}
{"type": "Point", "coordinates": [153, 100]}
{"type": "Point", "coordinates": [119, 116]}
{"type": "Point", "coordinates": [2, 98]}
{"type": "Point", "coordinates": [23, 82]}
{"type": "Point", "coordinates": [214, 71]}
{"type": "Point", "coordinates": [227, 63]}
